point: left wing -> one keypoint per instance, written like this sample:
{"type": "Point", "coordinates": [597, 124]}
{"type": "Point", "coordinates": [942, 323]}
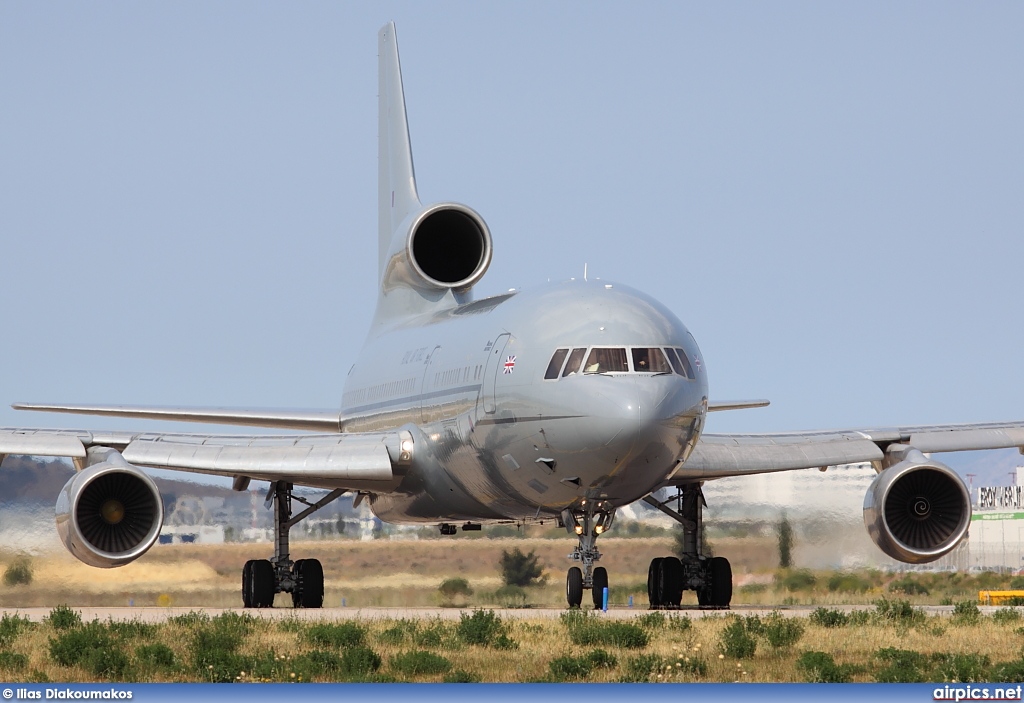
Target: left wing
{"type": "Point", "coordinates": [721, 455]}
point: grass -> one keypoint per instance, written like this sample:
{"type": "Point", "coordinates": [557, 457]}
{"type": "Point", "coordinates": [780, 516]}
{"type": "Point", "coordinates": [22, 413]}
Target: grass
{"type": "Point", "coordinates": [894, 642]}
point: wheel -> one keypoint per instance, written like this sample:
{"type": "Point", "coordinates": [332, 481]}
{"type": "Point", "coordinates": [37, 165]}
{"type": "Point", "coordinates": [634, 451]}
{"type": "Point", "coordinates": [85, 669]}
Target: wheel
{"type": "Point", "coordinates": [721, 581]}
{"type": "Point", "coordinates": [574, 587]}
{"type": "Point", "coordinates": [600, 583]}
{"type": "Point", "coordinates": [247, 584]}
{"type": "Point", "coordinates": [261, 584]}
{"type": "Point", "coordinates": [309, 584]}
{"type": "Point", "coordinates": [653, 577]}
{"type": "Point", "coordinates": [670, 583]}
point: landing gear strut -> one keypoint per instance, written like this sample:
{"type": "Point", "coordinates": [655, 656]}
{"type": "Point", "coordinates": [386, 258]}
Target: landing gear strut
{"type": "Point", "coordinates": [262, 579]}
{"type": "Point", "coordinates": [668, 577]}
{"type": "Point", "coordinates": [587, 524]}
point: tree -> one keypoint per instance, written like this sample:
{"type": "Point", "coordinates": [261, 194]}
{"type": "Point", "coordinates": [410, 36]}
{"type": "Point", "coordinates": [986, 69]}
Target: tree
{"type": "Point", "coordinates": [518, 569]}
{"type": "Point", "coordinates": [785, 543]}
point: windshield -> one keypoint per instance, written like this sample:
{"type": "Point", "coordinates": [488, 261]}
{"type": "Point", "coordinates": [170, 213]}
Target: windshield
{"type": "Point", "coordinates": [650, 359]}
{"type": "Point", "coordinates": [606, 360]}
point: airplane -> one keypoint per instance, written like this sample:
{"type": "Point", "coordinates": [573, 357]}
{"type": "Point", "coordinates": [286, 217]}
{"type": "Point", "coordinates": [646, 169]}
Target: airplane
{"type": "Point", "coordinates": [555, 405]}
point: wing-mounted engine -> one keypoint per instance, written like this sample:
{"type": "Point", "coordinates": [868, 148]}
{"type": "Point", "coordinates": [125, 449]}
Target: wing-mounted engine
{"type": "Point", "coordinates": [918, 509]}
{"type": "Point", "coordinates": [440, 248]}
{"type": "Point", "coordinates": [109, 514]}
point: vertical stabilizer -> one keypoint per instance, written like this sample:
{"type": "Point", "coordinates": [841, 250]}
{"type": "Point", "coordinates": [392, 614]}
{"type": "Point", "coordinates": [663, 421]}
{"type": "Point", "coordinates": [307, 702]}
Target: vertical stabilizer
{"type": "Point", "coordinates": [396, 185]}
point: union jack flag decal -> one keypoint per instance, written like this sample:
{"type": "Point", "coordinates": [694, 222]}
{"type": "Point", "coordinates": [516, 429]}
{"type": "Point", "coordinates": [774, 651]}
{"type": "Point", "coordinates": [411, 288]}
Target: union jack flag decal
{"type": "Point", "coordinates": [510, 364]}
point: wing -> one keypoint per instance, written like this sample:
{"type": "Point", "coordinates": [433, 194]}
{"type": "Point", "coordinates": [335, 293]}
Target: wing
{"type": "Point", "coordinates": [353, 461]}
{"type": "Point", "coordinates": [720, 455]}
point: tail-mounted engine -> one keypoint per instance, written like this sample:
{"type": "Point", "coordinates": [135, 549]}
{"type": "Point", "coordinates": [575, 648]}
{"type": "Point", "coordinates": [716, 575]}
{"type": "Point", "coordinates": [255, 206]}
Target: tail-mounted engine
{"type": "Point", "coordinates": [917, 510]}
{"type": "Point", "coordinates": [110, 514]}
{"type": "Point", "coordinates": [446, 247]}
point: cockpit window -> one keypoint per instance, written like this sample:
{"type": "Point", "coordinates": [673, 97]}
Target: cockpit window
{"type": "Point", "coordinates": [555, 365]}
{"type": "Point", "coordinates": [575, 359]}
{"type": "Point", "coordinates": [603, 360]}
{"type": "Point", "coordinates": [672, 357]}
{"type": "Point", "coordinates": [686, 363]}
{"type": "Point", "coordinates": [650, 359]}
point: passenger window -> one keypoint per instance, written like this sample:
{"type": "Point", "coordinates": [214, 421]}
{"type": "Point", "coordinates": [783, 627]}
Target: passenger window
{"type": "Point", "coordinates": [555, 365]}
{"type": "Point", "coordinates": [575, 359]}
{"type": "Point", "coordinates": [686, 363]}
{"type": "Point", "coordinates": [650, 359]}
{"type": "Point", "coordinates": [606, 360]}
{"type": "Point", "coordinates": [675, 361]}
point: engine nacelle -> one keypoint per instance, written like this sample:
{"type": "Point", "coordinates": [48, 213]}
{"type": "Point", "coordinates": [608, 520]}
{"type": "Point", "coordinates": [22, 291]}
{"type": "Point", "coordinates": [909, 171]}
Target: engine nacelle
{"type": "Point", "coordinates": [917, 510]}
{"type": "Point", "coordinates": [110, 514]}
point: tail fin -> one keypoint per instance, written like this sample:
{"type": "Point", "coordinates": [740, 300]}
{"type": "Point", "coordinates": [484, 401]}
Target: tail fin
{"type": "Point", "coordinates": [396, 178]}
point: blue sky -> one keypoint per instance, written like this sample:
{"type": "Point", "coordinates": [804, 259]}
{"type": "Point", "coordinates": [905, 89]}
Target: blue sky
{"type": "Point", "coordinates": [830, 195]}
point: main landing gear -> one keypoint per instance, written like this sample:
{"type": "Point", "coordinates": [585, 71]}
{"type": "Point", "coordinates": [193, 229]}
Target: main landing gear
{"type": "Point", "coordinates": [587, 524]}
{"type": "Point", "coordinates": [668, 577]}
{"type": "Point", "coordinates": [262, 579]}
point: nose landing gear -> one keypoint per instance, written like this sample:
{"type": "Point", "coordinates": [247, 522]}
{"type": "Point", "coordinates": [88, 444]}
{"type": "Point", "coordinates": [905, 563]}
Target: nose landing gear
{"type": "Point", "coordinates": [668, 577]}
{"type": "Point", "coordinates": [587, 525]}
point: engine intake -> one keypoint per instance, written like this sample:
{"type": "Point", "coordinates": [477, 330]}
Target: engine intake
{"type": "Point", "coordinates": [917, 510]}
{"type": "Point", "coordinates": [110, 514]}
{"type": "Point", "coordinates": [449, 246]}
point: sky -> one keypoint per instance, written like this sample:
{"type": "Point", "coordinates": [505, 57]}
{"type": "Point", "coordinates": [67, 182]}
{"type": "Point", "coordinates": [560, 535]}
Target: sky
{"type": "Point", "coordinates": [829, 195]}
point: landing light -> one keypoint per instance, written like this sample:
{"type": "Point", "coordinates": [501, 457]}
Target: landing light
{"type": "Point", "coordinates": [598, 529]}
{"type": "Point", "coordinates": [406, 445]}
{"type": "Point", "coordinates": [578, 529]}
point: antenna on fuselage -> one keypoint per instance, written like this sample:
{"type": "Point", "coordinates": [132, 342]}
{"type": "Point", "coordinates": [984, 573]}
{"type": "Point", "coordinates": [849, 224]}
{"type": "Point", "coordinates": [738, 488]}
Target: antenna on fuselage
{"type": "Point", "coordinates": [584, 271]}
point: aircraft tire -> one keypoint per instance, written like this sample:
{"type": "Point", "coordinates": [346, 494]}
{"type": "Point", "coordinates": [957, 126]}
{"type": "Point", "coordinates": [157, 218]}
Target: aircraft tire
{"type": "Point", "coordinates": [721, 581]}
{"type": "Point", "coordinates": [247, 584]}
{"type": "Point", "coordinates": [653, 579]}
{"type": "Point", "coordinates": [574, 587]}
{"type": "Point", "coordinates": [670, 582]}
{"type": "Point", "coordinates": [600, 583]}
{"type": "Point", "coordinates": [262, 584]}
{"type": "Point", "coordinates": [309, 584]}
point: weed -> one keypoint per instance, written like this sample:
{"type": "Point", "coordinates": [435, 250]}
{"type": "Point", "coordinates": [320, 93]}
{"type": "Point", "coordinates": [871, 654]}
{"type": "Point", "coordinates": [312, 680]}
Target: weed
{"type": "Point", "coordinates": [18, 572]}
{"type": "Point", "coordinates": [820, 667]}
{"type": "Point", "coordinates": [337, 635]}
{"type": "Point", "coordinates": [110, 662]}
{"type": "Point", "coordinates": [795, 580]}
{"type": "Point", "coordinates": [359, 662]}
{"type": "Point", "coordinates": [965, 612]}
{"type": "Point", "coordinates": [899, 612]}
{"type": "Point", "coordinates": [190, 619]}
{"type": "Point", "coordinates": [480, 628]}
{"type": "Point", "coordinates": [847, 582]}
{"type": "Point", "coordinates": [420, 662]}
{"type": "Point", "coordinates": [155, 656]}
{"type": "Point", "coordinates": [1017, 583]}
{"type": "Point", "coordinates": [566, 668]}
{"type": "Point", "coordinates": [1007, 672]}
{"type": "Point", "coordinates": [73, 644]}
{"type": "Point", "coordinates": [13, 661]}
{"type": "Point", "coordinates": [461, 676]}
{"type": "Point", "coordinates": [639, 669]}
{"type": "Point", "coordinates": [619, 634]}
{"type": "Point", "coordinates": [1003, 616]}
{"type": "Point", "coordinates": [132, 628]}
{"type": "Point", "coordinates": [859, 618]}
{"type": "Point", "coordinates": [908, 587]}
{"type": "Point", "coordinates": [694, 666]}
{"type": "Point", "coordinates": [682, 623]}
{"type": "Point", "coordinates": [601, 659]}
{"type": "Point", "coordinates": [736, 642]}
{"type": "Point", "coordinates": [782, 632]}
{"type": "Point", "coordinates": [11, 626]}
{"type": "Point", "coordinates": [63, 618]}
{"type": "Point", "coordinates": [511, 596]}
{"type": "Point", "coordinates": [437, 635]}
{"type": "Point", "coordinates": [653, 620]}
{"type": "Point", "coordinates": [829, 617]}
{"type": "Point", "coordinates": [962, 668]}
{"type": "Point", "coordinates": [902, 666]}
{"type": "Point", "coordinates": [503, 641]}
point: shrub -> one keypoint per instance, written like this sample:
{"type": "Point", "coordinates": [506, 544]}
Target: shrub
{"type": "Point", "coordinates": [966, 612]}
{"type": "Point", "coordinates": [503, 641]}
{"type": "Point", "coordinates": [1017, 583]}
{"type": "Point", "coordinates": [962, 668]}
{"type": "Point", "coordinates": [908, 587]}
{"type": "Point", "coordinates": [564, 668]}
{"type": "Point", "coordinates": [18, 572]}
{"type": "Point", "coordinates": [736, 642]}
{"type": "Point", "coordinates": [782, 632]}
{"type": "Point", "coordinates": [155, 656]}
{"type": "Point", "coordinates": [797, 580]}
{"type": "Point", "coordinates": [829, 617]}
{"type": "Point", "coordinates": [110, 662]}
{"type": "Point", "coordinates": [189, 619]}
{"type": "Point", "coordinates": [1003, 616]}
{"type": "Point", "coordinates": [601, 659]}
{"type": "Point", "coordinates": [587, 630]}
{"type": "Point", "coordinates": [11, 626]}
{"type": "Point", "coordinates": [650, 621]}
{"type": "Point", "coordinates": [694, 666]}
{"type": "Point", "coordinates": [452, 588]}
{"type": "Point", "coordinates": [859, 618]}
{"type": "Point", "coordinates": [63, 618]}
{"type": "Point", "coordinates": [131, 628]}
{"type": "Point", "coordinates": [438, 634]}
{"type": "Point", "coordinates": [13, 661]}
{"type": "Point", "coordinates": [1007, 672]}
{"type": "Point", "coordinates": [72, 645]}
{"type": "Point", "coordinates": [899, 612]}
{"type": "Point", "coordinates": [461, 676]}
{"type": "Point", "coordinates": [518, 569]}
{"type": "Point", "coordinates": [846, 582]}
{"type": "Point", "coordinates": [902, 666]}
{"type": "Point", "coordinates": [511, 596]}
{"type": "Point", "coordinates": [359, 661]}
{"type": "Point", "coordinates": [420, 662]}
{"type": "Point", "coordinates": [640, 668]}
{"type": "Point", "coordinates": [337, 635]}
{"type": "Point", "coordinates": [820, 667]}
{"type": "Point", "coordinates": [679, 622]}
{"type": "Point", "coordinates": [480, 628]}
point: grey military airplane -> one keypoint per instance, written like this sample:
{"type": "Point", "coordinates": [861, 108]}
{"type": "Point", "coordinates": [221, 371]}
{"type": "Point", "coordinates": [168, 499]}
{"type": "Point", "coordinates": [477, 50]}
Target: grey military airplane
{"type": "Point", "coordinates": [557, 405]}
